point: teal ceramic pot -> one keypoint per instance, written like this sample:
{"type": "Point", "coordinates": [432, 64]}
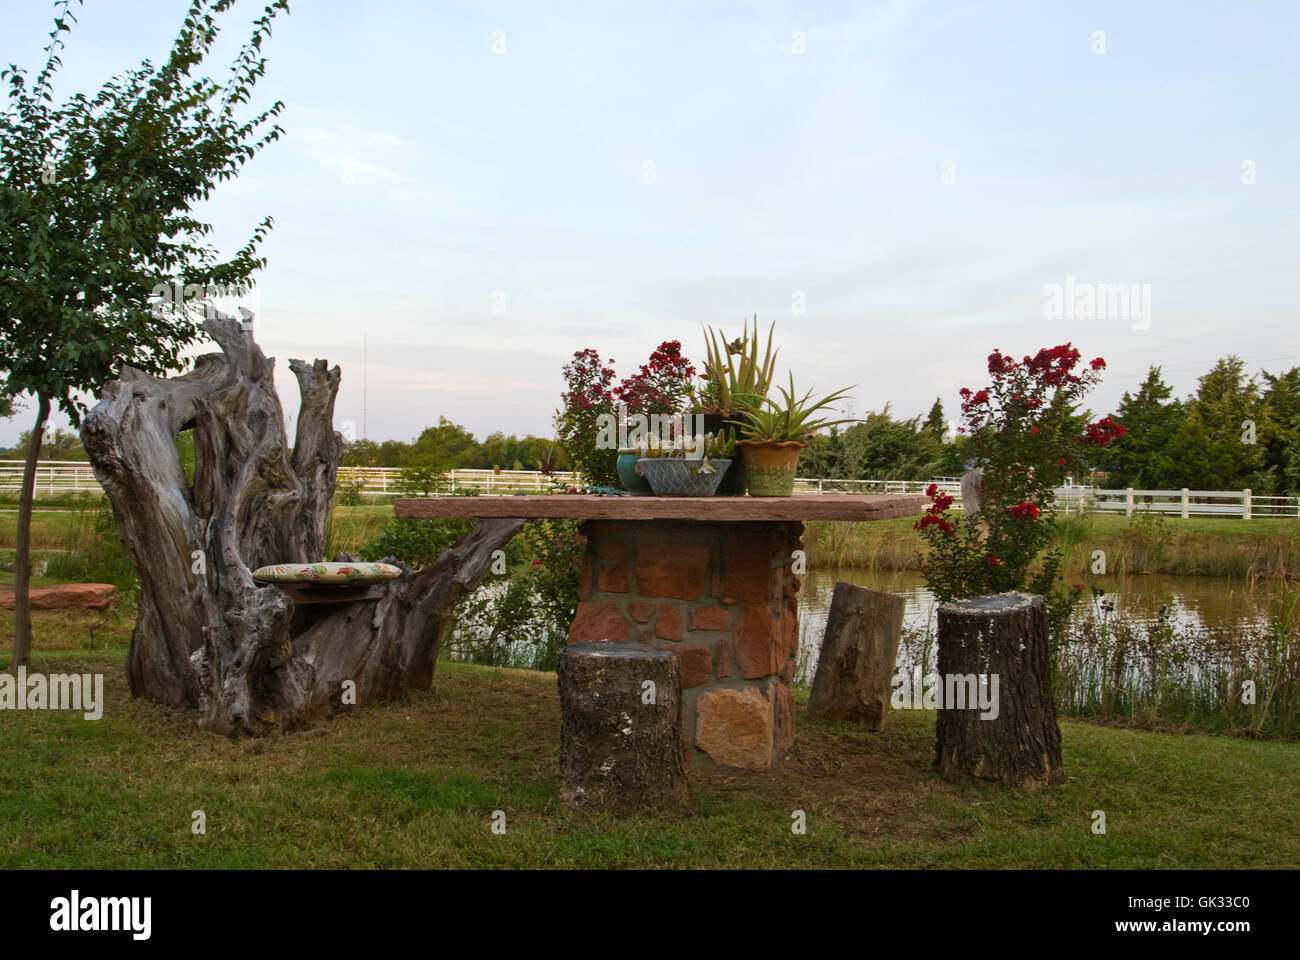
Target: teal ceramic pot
{"type": "Point", "coordinates": [633, 482]}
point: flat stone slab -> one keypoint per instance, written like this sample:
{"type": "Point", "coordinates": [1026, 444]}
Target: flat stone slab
{"type": "Point", "coordinates": [813, 506]}
{"type": "Point", "coordinates": [90, 596]}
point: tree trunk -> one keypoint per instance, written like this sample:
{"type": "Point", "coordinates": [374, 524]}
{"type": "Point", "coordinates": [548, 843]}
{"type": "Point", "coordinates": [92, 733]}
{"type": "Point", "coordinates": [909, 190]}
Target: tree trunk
{"type": "Point", "coordinates": [1004, 731]}
{"type": "Point", "coordinates": [855, 668]}
{"type": "Point", "coordinates": [206, 634]}
{"type": "Point", "coordinates": [23, 546]}
{"type": "Point", "coordinates": [622, 744]}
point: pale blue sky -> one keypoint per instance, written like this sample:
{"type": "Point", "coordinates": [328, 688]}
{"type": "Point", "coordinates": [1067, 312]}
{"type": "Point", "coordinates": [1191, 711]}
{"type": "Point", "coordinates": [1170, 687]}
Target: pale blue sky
{"type": "Point", "coordinates": [421, 173]}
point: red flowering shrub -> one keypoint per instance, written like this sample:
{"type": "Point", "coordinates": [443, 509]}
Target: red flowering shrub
{"type": "Point", "coordinates": [1025, 436]}
{"type": "Point", "coordinates": [660, 386]}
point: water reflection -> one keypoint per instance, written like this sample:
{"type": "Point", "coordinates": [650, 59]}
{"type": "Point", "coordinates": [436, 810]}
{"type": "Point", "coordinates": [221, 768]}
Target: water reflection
{"type": "Point", "coordinates": [1211, 604]}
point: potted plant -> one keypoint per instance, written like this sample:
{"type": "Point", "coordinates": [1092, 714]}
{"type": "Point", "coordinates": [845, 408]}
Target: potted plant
{"type": "Point", "coordinates": [775, 434]}
{"type": "Point", "coordinates": [733, 376]}
{"type": "Point", "coordinates": [673, 472]}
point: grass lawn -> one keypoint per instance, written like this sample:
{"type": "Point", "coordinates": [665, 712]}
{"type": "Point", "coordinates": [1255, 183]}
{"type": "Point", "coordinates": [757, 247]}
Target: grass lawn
{"type": "Point", "coordinates": [414, 783]}
{"type": "Point", "coordinates": [1198, 546]}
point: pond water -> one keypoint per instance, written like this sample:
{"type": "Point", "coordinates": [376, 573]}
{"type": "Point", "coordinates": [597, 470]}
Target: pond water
{"type": "Point", "coordinates": [1201, 604]}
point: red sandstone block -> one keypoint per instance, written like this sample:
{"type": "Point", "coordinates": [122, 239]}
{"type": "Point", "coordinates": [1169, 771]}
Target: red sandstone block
{"type": "Point", "coordinates": [783, 719]}
{"type": "Point", "coordinates": [722, 661]}
{"type": "Point", "coordinates": [734, 727]}
{"type": "Point", "coordinates": [668, 625]}
{"type": "Point", "coordinates": [641, 611]}
{"type": "Point", "coordinates": [666, 570]}
{"type": "Point", "coordinates": [611, 550]}
{"type": "Point", "coordinates": [710, 618]}
{"type": "Point", "coordinates": [787, 633]}
{"type": "Point", "coordinates": [756, 641]}
{"type": "Point", "coordinates": [697, 665]}
{"type": "Point", "coordinates": [613, 579]}
{"type": "Point", "coordinates": [748, 558]}
{"type": "Point", "coordinates": [598, 620]}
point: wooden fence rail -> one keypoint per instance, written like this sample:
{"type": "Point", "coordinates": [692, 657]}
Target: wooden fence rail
{"type": "Point", "coordinates": [63, 476]}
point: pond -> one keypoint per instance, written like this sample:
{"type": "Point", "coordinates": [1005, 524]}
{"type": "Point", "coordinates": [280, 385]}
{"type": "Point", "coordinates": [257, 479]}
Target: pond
{"type": "Point", "coordinates": [1201, 605]}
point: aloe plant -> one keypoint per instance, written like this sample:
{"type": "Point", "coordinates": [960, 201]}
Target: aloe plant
{"type": "Point", "coordinates": [791, 419]}
{"type": "Point", "coordinates": [733, 374]}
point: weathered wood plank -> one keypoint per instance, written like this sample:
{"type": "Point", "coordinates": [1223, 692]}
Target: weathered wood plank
{"type": "Point", "coordinates": [861, 507]}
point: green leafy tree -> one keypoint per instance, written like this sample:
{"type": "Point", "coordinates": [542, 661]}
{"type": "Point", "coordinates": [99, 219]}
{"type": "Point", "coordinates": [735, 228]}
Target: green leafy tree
{"type": "Point", "coordinates": [438, 450]}
{"type": "Point", "coordinates": [97, 199]}
{"type": "Point", "coordinates": [1219, 446]}
{"type": "Point", "coordinates": [55, 445]}
{"type": "Point", "coordinates": [1282, 443]}
{"type": "Point", "coordinates": [1144, 456]}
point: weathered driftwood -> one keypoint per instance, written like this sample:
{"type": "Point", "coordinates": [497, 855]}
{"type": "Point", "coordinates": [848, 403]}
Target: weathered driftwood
{"type": "Point", "coordinates": [206, 634]}
{"type": "Point", "coordinates": [973, 496]}
{"type": "Point", "coordinates": [621, 738]}
{"type": "Point", "coordinates": [855, 668]}
{"type": "Point", "coordinates": [1000, 639]}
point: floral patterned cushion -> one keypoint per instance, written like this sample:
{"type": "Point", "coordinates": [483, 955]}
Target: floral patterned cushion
{"type": "Point", "coordinates": [326, 573]}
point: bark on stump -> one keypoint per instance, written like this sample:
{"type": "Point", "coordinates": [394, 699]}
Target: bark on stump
{"type": "Point", "coordinates": [206, 634]}
{"type": "Point", "coordinates": [855, 668]}
{"type": "Point", "coordinates": [621, 739]}
{"type": "Point", "coordinates": [1004, 637]}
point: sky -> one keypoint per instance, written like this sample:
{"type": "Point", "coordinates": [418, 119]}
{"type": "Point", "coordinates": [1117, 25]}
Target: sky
{"type": "Point", "coordinates": [468, 193]}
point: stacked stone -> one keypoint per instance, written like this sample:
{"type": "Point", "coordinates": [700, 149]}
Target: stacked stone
{"type": "Point", "coordinates": [721, 596]}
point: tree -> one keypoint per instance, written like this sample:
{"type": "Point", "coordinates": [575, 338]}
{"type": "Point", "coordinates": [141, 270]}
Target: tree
{"type": "Point", "coordinates": [59, 444]}
{"type": "Point", "coordinates": [207, 635]}
{"type": "Point", "coordinates": [437, 450]}
{"type": "Point", "coordinates": [1219, 446]}
{"type": "Point", "coordinates": [1144, 456]}
{"type": "Point", "coordinates": [97, 227]}
{"type": "Point", "coordinates": [1282, 443]}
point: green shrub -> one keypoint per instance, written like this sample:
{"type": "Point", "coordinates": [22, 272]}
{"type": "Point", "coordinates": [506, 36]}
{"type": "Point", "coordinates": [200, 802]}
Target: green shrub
{"type": "Point", "coordinates": [104, 561]}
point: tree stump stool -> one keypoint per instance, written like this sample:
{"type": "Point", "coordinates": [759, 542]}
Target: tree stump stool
{"type": "Point", "coordinates": [621, 740]}
{"type": "Point", "coordinates": [993, 650]}
{"type": "Point", "coordinates": [855, 669]}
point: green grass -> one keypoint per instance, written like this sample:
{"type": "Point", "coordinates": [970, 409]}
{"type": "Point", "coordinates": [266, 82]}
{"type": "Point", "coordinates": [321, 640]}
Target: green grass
{"type": "Point", "coordinates": [414, 783]}
{"type": "Point", "coordinates": [1197, 546]}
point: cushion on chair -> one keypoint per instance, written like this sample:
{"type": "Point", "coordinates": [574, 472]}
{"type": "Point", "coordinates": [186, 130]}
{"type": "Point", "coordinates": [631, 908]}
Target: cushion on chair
{"type": "Point", "coordinates": [326, 573]}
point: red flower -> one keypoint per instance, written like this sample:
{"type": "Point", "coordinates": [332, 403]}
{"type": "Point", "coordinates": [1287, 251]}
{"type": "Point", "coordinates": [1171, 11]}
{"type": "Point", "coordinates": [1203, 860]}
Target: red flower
{"type": "Point", "coordinates": [1061, 462]}
{"type": "Point", "coordinates": [931, 520]}
{"type": "Point", "coordinates": [1101, 433]}
{"type": "Point", "coordinates": [995, 561]}
{"type": "Point", "coordinates": [1033, 429]}
{"type": "Point", "coordinates": [1098, 364]}
{"type": "Point", "coordinates": [1024, 511]}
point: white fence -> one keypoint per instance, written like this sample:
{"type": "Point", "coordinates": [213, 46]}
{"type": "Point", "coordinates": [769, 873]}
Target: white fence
{"type": "Point", "coordinates": [62, 476]}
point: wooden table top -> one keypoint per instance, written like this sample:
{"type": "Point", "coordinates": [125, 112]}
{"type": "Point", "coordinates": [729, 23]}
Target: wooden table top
{"type": "Point", "coordinates": [815, 506]}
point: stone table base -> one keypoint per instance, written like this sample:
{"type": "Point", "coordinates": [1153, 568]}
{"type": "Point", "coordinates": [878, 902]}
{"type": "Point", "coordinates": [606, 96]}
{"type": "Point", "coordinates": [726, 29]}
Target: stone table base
{"type": "Point", "coordinates": [722, 596]}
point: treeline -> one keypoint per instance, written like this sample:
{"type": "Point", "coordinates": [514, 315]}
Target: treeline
{"type": "Point", "coordinates": [882, 448]}
{"type": "Point", "coordinates": [1235, 432]}
{"type": "Point", "coordinates": [449, 446]}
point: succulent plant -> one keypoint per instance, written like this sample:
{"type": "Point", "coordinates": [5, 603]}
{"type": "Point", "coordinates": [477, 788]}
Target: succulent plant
{"type": "Point", "coordinates": [790, 420]}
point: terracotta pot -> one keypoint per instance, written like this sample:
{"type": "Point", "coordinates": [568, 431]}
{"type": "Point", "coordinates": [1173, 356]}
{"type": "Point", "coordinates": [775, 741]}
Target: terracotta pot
{"type": "Point", "coordinates": [770, 467]}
